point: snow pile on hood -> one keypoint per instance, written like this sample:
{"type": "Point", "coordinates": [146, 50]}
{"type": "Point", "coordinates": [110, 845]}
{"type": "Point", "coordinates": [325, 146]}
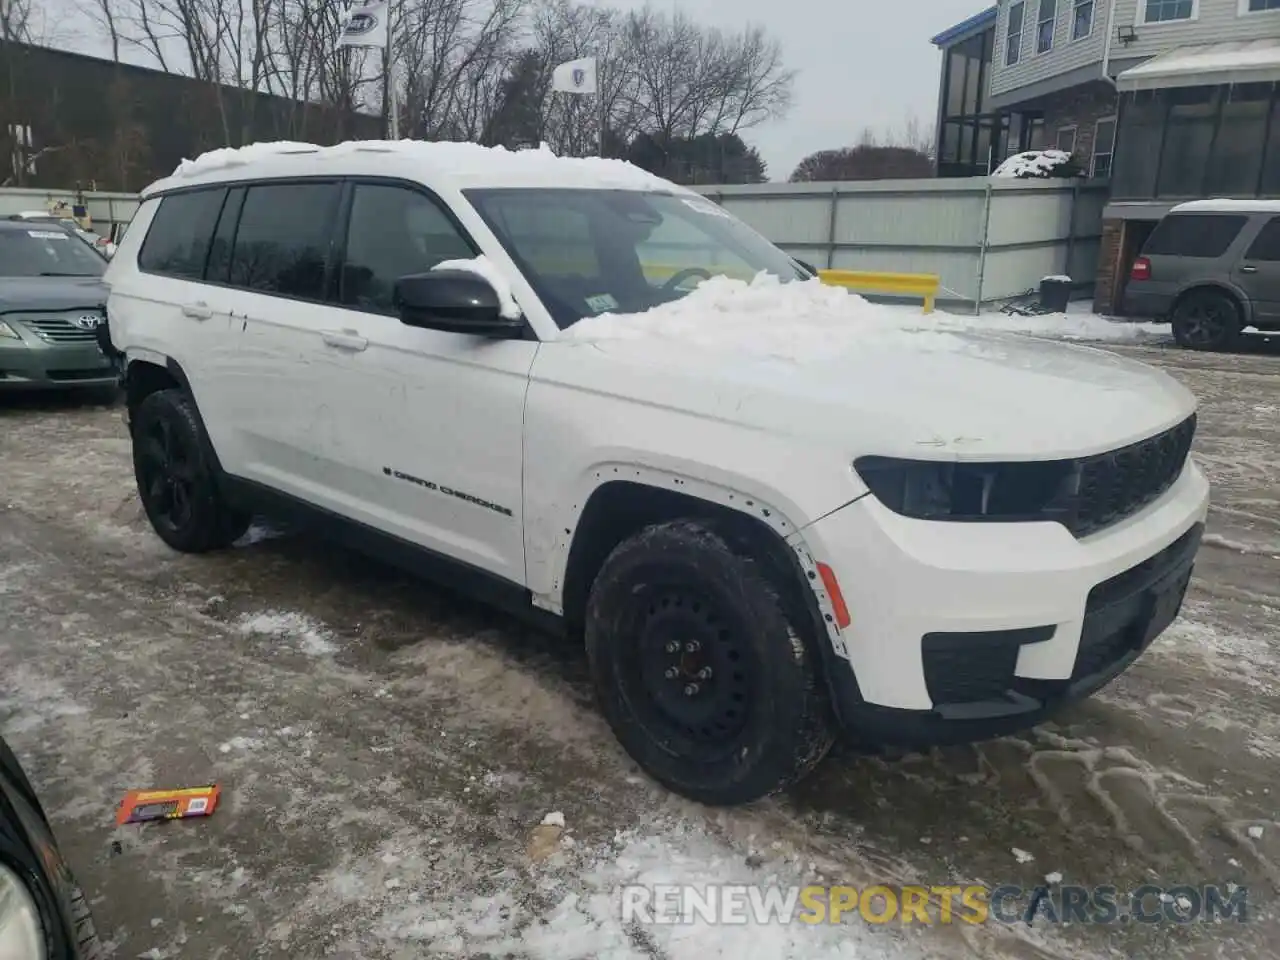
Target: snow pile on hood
{"type": "Point", "coordinates": [1033, 164]}
{"type": "Point", "coordinates": [445, 157]}
{"type": "Point", "coordinates": [795, 321]}
{"type": "Point", "coordinates": [1080, 326]}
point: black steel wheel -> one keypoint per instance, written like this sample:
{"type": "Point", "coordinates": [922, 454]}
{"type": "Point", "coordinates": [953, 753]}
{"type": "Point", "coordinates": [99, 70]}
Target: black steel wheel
{"type": "Point", "coordinates": [176, 479]}
{"type": "Point", "coordinates": [1206, 320]}
{"type": "Point", "coordinates": [707, 677]}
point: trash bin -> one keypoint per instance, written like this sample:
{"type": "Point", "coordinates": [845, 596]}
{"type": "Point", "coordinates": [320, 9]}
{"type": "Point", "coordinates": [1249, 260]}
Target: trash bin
{"type": "Point", "coordinates": [1055, 294]}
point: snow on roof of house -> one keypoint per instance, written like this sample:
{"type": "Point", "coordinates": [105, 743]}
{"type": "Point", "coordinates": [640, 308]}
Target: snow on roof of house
{"type": "Point", "coordinates": [1228, 206]}
{"type": "Point", "coordinates": [1193, 65]}
{"type": "Point", "coordinates": [459, 164]}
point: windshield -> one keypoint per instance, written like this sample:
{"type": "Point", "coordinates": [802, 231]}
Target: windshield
{"type": "Point", "coordinates": [587, 252]}
{"type": "Point", "coordinates": [47, 251]}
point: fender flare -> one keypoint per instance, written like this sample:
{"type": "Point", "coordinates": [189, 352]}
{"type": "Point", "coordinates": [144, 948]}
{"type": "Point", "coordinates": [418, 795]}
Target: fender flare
{"type": "Point", "coordinates": [779, 522]}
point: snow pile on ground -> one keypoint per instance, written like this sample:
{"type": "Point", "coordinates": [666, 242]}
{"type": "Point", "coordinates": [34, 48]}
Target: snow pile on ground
{"type": "Point", "coordinates": [1034, 164]}
{"type": "Point", "coordinates": [795, 321]}
{"type": "Point", "coordinates": [586, 917]}
{"type": "Point", "coordinates": [445, 157]}
{"type": "Point", "coordinates": [311, 638]}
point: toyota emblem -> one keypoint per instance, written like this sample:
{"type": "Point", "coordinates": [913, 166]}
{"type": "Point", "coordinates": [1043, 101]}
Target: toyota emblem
{"type": "Point", "coordinates": [88, 321]}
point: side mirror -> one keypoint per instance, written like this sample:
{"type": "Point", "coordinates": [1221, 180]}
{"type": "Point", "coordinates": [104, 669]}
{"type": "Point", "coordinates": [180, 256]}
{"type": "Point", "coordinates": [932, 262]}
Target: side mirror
{"type": "Point", "coordinates": [455, 301]}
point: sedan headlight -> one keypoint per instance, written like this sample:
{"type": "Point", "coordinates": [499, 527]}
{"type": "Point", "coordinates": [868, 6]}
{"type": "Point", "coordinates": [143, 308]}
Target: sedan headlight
{"type": "Point", "coordinates": [8, 331]}
{"type": "Point", "coordinates": [940, 490]}
{"type": "Point", "coordinates": [21, 935]}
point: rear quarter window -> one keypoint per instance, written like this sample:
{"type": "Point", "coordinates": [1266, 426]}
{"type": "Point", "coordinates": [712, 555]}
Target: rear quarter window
{"type": "Point", "coordinates": [1203, 235]}
{"type": "Point", "coordinates": [177, 242]}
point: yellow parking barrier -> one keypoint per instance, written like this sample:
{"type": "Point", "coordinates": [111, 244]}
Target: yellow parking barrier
{"type": "Point", "coordinates": [922, 285]}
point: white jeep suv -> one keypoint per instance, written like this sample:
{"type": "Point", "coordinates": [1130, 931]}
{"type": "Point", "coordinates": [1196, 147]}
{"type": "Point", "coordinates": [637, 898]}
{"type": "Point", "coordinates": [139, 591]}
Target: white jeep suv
{"type": "Point", "coordinates": [593, 397]}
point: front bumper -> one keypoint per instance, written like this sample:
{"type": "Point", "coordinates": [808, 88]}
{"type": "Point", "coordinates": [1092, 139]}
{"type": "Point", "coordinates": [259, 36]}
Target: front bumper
{"type": "Point", "coordinates": [30, 364]}
{"type": "Point", "coordinates": [965, 631]}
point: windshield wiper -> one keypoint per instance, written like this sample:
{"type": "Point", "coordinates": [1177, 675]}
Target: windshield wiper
{"type": "Point", "coordinates": [54, 273]}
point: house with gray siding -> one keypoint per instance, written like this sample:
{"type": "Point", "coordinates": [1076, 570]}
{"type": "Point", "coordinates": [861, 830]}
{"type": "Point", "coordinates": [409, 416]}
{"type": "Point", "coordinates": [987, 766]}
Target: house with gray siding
{"type": "Point", "coordinates": [1171, 100]}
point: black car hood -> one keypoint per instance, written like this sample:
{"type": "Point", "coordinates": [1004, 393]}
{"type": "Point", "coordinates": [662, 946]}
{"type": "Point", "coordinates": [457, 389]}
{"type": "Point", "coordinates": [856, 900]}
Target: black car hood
{"type": "Point", "coordinates": [27, 294]}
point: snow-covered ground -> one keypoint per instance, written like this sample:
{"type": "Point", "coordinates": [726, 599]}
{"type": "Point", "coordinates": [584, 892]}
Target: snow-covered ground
{"type": "Point", "coordinates": [389, 756]}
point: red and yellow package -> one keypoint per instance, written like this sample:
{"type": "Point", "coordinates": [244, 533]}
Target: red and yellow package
{"type": "Point", "coordinates": [139, 806]}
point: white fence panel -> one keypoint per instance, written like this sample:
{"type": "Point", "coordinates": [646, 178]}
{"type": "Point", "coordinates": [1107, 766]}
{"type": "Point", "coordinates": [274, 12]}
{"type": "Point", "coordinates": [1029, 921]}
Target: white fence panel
{"type": "Point", "coordinates": [986, 239]}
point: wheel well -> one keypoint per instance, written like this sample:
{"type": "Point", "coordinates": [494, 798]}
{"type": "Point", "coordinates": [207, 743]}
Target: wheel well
{"type": "Point", "coordinates": [619, 509]}
{"type": "Point", "coordinates": [1231, 295]}
{"type": "Point", "coordinates": [143, 379]}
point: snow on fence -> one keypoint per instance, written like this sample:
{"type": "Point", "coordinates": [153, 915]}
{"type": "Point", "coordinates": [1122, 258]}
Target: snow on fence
{"type": "Point", "coordinates": [987, 239]}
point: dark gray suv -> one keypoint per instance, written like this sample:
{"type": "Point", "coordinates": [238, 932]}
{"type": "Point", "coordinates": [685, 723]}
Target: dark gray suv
{"type": "Point", "coordinates": [1212, 268]}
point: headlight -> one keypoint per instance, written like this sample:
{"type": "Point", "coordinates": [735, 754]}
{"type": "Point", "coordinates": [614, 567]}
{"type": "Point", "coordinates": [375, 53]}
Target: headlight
{"type": "Point", "coordinates": [8, 331]}
{"type": "Point", "coordinates": [21, 935]}
{"type": "Point", "coordinates": [937, 490]}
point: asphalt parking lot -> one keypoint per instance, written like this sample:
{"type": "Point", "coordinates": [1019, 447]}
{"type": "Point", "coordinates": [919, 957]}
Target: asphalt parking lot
{"type": "Point", "coordinates": [387, 752]}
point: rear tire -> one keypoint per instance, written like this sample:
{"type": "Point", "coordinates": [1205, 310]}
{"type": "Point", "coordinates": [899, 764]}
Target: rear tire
{"type": "Point", "coordinates": [177, 483]}
{"type": "Point", "coordinates": [705, 677]}
{"type": "Point", "coordinates": [1206, 320]}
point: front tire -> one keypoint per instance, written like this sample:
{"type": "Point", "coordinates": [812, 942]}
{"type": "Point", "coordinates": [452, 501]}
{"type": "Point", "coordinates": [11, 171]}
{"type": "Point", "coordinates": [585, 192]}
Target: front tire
{"type": "Point", "coordinates": [176, 478]}
{"type": "Point", "coordinates": [705, 676]}
{"type": "Point", "coordinates": [1206, 320]}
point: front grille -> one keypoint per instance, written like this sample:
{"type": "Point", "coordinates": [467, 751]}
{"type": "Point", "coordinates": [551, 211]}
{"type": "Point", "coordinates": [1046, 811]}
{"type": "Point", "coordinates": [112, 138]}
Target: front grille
{"type": "Point", "coordinates": [1118, 484]}
{"type": "Point", "coordinates": [58, 330]}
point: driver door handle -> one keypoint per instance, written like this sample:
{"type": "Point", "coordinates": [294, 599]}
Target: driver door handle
{"type": "Point", "coordinates": [1248, 269]}
{"type": "Point", "coordinates": [197, 311]}
{"type": "Point", "coordinates": [344, 340]}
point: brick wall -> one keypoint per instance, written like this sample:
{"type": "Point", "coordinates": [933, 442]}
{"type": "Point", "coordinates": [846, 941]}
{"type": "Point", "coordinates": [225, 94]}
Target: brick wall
{"type": "Point", "coordinates": [1110, 263]}
{"type": "Point", "coordinates": [1081, 106]}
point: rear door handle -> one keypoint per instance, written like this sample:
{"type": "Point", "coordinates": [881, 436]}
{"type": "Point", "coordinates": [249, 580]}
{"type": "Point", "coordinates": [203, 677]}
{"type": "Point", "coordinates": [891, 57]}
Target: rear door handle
{"type": "Point", "coordinates": [1248, 269]}
{"type": "Point", "coordinates": [344, 340]}
{"type": "Point", "coordinates": [197, 311]}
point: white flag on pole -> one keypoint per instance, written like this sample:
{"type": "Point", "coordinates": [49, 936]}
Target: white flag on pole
{"type": "Point", "coordinates": [576, 76]}
{"type": "Point", "coordinates": [366, 25]}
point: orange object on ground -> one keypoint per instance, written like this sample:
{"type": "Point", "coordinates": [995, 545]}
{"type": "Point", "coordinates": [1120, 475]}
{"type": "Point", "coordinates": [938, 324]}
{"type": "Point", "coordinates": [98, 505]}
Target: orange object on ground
{"type": "Point", "coordinates": [139, 806]}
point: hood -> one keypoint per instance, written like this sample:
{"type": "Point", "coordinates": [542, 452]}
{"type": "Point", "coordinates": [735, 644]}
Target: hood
{"type": "Point", "coordinates": [925, 394]}
{"type": "Point", "coordinates": [41, 294]}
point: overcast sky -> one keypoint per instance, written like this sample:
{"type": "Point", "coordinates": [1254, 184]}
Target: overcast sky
{"type": "Point", "coordinates": [860, 63]}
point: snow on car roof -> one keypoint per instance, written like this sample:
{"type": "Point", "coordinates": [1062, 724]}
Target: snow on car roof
{"type": "Point", "coordinates": [459, 164]}
{"type": "Point", "coordinates": [1228, 206]}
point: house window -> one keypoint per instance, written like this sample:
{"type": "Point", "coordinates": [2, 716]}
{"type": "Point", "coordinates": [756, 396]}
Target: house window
{"type": "Point", "coordinates": [1082, 21]}
{"type": "Point", "coordinates": [1258, 6]}
{"type": "Point", "coordinates": [1163, 11]}
{"type": "Point", "coordinates": [1036, 134]}
{"type": "Point", "coordinates": [1104, 147]}
{"type": "Point", "coordinates": [1013, 37]}
{"type": "Point", "coordinates": [1067, 139]}
{"type": "Point", "coordinates": [1044, 26]}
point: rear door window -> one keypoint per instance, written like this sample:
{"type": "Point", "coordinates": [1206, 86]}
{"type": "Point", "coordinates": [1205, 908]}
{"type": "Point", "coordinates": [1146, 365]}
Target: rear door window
{"type": "Point", "coordinates": [1202, 235]}
{"type": "Point", "coordinates": [282, 241]}
{"type": "Point", "coordinates": [177, 243]}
